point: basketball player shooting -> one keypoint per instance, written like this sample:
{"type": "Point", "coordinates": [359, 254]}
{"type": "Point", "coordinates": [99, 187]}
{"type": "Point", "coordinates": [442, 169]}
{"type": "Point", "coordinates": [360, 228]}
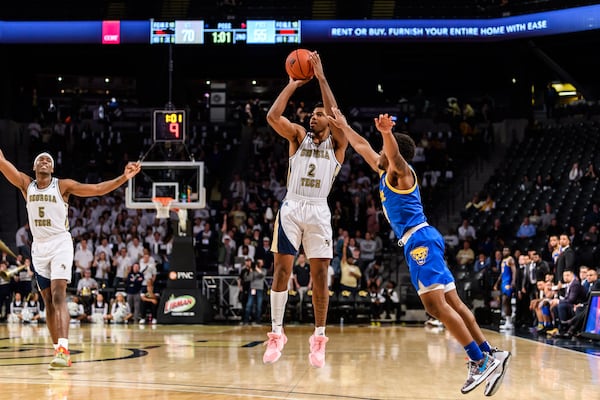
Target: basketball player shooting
{"type": "Point", "coordinates": [52, 248]}
{"type": "Point", "coordinates": [305, 218]}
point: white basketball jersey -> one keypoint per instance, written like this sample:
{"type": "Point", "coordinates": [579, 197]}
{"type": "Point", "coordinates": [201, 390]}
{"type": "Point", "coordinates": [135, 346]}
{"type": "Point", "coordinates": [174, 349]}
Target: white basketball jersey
{"type": "Point", "coordinates": [312, 169]}
{"type": "Point", "coordinates": [47, 211]}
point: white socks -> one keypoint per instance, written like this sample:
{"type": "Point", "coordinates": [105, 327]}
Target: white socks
{"type": "Point", "coordinates": [278, 302]}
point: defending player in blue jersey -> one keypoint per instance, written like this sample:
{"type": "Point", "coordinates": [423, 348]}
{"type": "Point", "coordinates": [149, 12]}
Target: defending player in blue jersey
{"type": "Point", "coordinates": [424, 249]}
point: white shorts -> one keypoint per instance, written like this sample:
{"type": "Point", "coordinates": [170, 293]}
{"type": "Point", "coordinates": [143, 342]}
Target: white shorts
{"type": "Point", "coordinates": [53, 258]}
{"type": "Point", "coordinates": [306, 223]}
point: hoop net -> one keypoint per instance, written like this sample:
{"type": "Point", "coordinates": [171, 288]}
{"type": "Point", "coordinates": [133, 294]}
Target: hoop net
{"type": "Point", "coordinates": [163, 206]}
{"type": "Point", "coordinates": [182, 215]}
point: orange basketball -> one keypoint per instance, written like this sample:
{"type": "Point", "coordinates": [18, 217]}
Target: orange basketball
{"type": "Point", "coordinates": [298, 64]}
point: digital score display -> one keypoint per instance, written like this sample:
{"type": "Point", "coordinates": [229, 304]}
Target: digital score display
{"type": "Point", "coordinates": [252, 32]}
{"type": "Point", "coordinates": [225, 33]}
{"type": "Point", "coordinates": [168, 125]}
{"type": "Point", "coordinates": [177, 32]}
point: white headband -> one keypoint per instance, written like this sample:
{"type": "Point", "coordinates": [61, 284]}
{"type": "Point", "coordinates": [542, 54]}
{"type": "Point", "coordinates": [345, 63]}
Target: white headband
{"type": "Point", "coordinates": [41, 155]}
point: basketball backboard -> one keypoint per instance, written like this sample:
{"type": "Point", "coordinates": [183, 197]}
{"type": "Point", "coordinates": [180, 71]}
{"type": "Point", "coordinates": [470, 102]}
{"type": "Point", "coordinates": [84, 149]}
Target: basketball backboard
{"type": "Point", "coordinates": [181, 180]}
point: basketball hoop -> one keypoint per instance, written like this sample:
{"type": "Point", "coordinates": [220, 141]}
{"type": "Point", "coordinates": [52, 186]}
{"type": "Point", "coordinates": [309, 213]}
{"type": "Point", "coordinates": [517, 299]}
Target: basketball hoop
{"type": "Point", "coordinates": [163, 206]}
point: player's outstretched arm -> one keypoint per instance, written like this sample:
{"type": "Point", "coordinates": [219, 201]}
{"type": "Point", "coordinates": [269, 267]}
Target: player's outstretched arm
{"type": "Point", "coordinates": [400, 174]}
{"type": "Point", "coordinates": [283, 126]}
{"type": "Point", "coordinates": [358, 143]}
{"type": "Point", "coordinates": [70, 186]}
{"type": "Point", "coordinates": [329, 101]}
{"type": "Point", "coordinates": [384, 125]}
{"type": "Point", "coordinates": [14, 176]}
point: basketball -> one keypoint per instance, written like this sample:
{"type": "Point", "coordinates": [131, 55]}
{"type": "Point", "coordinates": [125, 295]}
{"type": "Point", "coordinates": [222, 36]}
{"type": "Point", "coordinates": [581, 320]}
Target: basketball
{"type": "Point", "coordinates": [298, 64]}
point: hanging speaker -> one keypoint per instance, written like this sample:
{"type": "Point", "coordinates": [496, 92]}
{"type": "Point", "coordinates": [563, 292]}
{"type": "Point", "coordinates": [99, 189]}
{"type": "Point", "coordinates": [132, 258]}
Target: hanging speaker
{"type": "Point", "coordinates": [217, 99]}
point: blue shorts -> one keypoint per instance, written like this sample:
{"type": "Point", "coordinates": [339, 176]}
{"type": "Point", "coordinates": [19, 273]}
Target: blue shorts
{"type": "Point", "coordinates": [505, 291]}
{"type": "Point", "coordinates": [424, 255]}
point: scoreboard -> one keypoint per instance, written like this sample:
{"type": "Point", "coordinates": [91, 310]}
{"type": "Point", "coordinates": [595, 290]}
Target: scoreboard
{"type": "Point", "coordinates": [225, 33]}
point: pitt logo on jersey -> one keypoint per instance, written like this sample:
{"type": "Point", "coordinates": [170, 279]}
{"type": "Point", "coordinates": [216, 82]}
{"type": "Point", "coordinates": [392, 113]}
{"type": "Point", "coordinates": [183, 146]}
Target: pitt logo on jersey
{"type": "Point", "coordinates": [419, 254]}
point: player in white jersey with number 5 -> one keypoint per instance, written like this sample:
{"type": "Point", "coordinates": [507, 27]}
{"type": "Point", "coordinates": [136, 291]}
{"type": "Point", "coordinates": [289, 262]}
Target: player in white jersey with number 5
{"type": "Point", "coordinates": [304, 218]}
{"type": "Point", "coordinates": [52, 249]}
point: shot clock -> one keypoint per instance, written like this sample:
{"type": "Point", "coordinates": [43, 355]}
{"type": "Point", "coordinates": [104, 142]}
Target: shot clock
{"type": "Point", "coordinates": [168, 126]}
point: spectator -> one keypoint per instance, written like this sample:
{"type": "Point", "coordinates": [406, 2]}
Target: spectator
{"type": "Point", "coordinates": [5, 293]}
{"type": "Point", "coordinates": [32, 313]}
{"type": "Point", "coordinates": [76, 310]}
{"type": "Point", "coordinates": [86, 284]}
{"type": "Point", "coordinates": [590, 173]}
{"type": "Point", "coordinates": [24, 278]}
{"type": "Point", "coordinates": [351, 274]}
{"type": "Point", "coordinates": [565, 307]}
{"type": "Point", "coordinates": [120, 312]}
{"type": "Point", "coordinates": [134, 289]}
{"type": "Point", "coordinates": [103, 269]}
{"type": "Point", "coordinates": [497, 233]}
{"type": "Point", "coordinates": [535, 218]}
{"type": "Point", "coordinates": [466, 231]}
{"type": "Point", "coordinates": [526, 184]}
{"type": "Point", "coordinates": [377, 301]}
{"type": "Point", "coordinates": [150, 299]}
{"type": "Point", "coordinates": [488, 204]}
{"type": "Point", "coordinates": [374, 274]}
{"type": "Point", "coordinates": [367, 248]}
{"type": "Point", "coordinates": [121, 264]}
{"type": "Point", "coordinates": [483, 263]}
{"type": "Point", "coordinates": [575, 324]}
{"type": "Point", "coordinates": [526, 229]}
{"type": "Point", "coordinates": [16, 308]}
{"type": "Point", "coordinates": [547, 216]}
{"type": "Point", "coordinates": [99, 310]}
{"type": "Point", "coordinates": [474, 205]}
{"type": "Point", "coordinates": [83, 260]}
{"type": "Point", "coordinates": [251, 249]}
{"type": "Point", "coordinates": [23, 240]}
{"type": "Point", "coordinates": [466, 255]}
{"type": "Point", "coordinates": [392, 300]}
{"type": "Point", "coordinates": [575, 174]}
{"type": "Point", "coordinates": [135, 249]}
{"type": "Point", "coordinates": [147, 269]}
{"type": "Point", "coordinates": [263, 252]}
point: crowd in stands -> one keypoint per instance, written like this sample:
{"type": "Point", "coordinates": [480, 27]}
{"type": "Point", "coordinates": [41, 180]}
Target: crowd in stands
{"type": "Point", "coordinates": [555, 263]}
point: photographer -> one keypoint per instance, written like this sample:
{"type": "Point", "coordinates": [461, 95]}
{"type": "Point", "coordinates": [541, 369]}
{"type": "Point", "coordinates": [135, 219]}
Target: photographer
{"type": "Point", "coordinates": [256, 277]}
{"type": "Point", "coordinates": [244, 283]}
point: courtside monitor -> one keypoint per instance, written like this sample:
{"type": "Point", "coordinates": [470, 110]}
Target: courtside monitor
{"type": "Point", "coordinates": [591, 328]}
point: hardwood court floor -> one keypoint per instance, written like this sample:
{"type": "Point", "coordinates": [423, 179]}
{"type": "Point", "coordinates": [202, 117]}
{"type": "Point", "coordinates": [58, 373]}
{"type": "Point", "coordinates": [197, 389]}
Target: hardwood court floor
{"type": "Point", "coordinates": [134, 362]}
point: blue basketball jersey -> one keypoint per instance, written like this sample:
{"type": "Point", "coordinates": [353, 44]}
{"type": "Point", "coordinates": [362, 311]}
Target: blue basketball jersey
{"type": "Point", "coordinates": [402, 208]}
{"type": "Point", "coordinates": [424, 251]}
